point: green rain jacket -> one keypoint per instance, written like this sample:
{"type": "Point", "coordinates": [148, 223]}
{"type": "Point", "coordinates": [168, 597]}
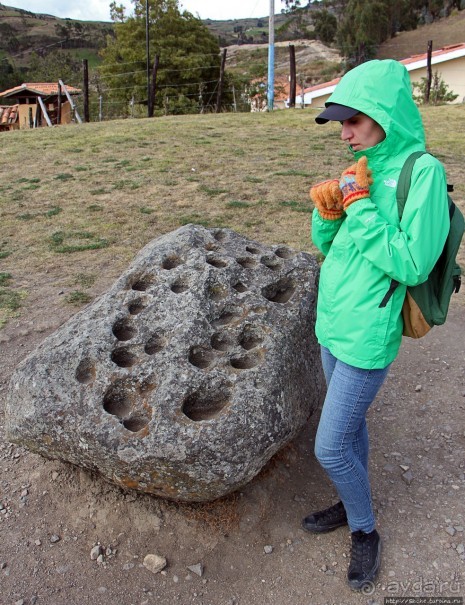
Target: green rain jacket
{"type": "Point", "coordinates": [368, 246]}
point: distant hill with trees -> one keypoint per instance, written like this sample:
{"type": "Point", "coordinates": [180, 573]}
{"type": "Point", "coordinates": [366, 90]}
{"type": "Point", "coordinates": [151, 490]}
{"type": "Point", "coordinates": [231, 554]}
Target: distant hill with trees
{"type": "Point", "coordinates": [41, 47]}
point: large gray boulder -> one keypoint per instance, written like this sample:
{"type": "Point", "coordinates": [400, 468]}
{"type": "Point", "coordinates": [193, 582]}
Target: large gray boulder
{"type": "Point", "coordinates": [184, 379]}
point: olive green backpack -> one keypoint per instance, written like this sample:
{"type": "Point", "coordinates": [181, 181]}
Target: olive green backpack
{"type": "Point", "coordinates": [427, 304]}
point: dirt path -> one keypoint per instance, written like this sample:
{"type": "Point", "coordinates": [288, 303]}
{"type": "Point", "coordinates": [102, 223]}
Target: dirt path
{"type": "Point", "coordinates": [52, 514]}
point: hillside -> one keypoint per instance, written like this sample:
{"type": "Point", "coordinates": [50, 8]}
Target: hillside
{"type": "Point", "coordinates": [450, 30]}
{"type": "Point", "coordinates": [22, 32]}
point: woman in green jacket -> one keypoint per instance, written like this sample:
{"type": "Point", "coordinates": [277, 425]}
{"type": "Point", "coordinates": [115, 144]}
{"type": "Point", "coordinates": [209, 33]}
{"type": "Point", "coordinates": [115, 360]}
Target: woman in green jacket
{"type": "Point", "coordinates": [356, 226]}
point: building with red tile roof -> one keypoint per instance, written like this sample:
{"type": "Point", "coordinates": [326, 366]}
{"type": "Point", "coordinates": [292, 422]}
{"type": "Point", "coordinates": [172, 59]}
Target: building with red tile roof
{"type": "Point", "coordinates": [448, 61]}
{"type": "Point", "coordinates": [9, 117]}
{"type": "Point", "coordinates": [41, 103]}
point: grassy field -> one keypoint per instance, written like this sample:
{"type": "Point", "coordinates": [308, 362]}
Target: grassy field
{"type": "Point", "coordinates": [77, 202]}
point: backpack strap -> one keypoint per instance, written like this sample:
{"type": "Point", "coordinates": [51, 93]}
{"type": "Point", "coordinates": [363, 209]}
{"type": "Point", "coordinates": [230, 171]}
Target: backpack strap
{"type": "Point", "coordinates": [403, 187]}
{"type": "Point", "coordinates": [405, 177]}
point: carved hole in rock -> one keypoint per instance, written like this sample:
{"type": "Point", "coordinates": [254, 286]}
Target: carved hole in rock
{"type": "Point", "coordinates": [142, 284]}
{"type": "Point", "coordinates": [284, 253]}
{"type": "Point", "coordinates": [135, 307]}
{"type": "Point", "coordinates": [85, 372]}
{"type": "Point", "coordinates": [147, 386]}
{"type": "Point", "coordinates": [170, 262]}
{"type": "Point", "coordinates": [203, 406]}
{"type": "Point", "coordinates": [240, 287]}
{"type": "Point", "coordinates": [212, 246]}
{"type": "Point", "coordinates": [217, 292]}
{"type": "Point", "coordinates": [228, 315]}
{"type": "Point", "coordinates": [217, 262]}
{"type": "Point", "coordinates": [252, 250]}
{"type": "Point", "coordinates": [117, 402]}
{"type": "Point", "coordinates": [201, 357]}
{"type": "Point", "coordinates": [135, 423]}
{"type": "Point", "coordinates": [180, 285]}
{"type": "Point", "coordinates": [123, 330]}
{"type": "Point", "coordinates": [247, 262]}
{"type": "Point", "coordinates": [220, 235]}
{"type": "Point", "coordinates": [123, 358]}
{"type": "Point", "coordinates": [250, 338]}
{"type": "Point", "coordinates": [279, 292]}
{"type": "Point", "coordinates": [222, 341]}
{"type": "Point", "coordinates": [271, 262]}
{"type": "Point", "coordinates": [246, 362]}
{"type": "Point", "coordinates": [155, 344]}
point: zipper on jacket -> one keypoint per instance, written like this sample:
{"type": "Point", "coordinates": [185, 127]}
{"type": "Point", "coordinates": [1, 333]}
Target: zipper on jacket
{"type": "Point", "coordinates": [387, 297]}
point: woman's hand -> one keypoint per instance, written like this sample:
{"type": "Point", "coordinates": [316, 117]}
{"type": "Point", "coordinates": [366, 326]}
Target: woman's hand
{"type": "Point", "coordinates": [327, 197]}
{"type": "Point", "coordinates": [355, 182]}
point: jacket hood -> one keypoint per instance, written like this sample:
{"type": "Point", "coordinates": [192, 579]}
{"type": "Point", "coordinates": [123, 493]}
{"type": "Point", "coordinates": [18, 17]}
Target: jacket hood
{"type": "Point", "coordinates": [382, 90]}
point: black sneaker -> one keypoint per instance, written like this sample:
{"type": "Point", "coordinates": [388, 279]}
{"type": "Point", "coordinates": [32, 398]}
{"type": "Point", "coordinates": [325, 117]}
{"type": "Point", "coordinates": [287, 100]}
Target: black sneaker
{"type": "Point", "coordinates": [365, 559]}
{"type": "Point", "coordinates": [326, 520]}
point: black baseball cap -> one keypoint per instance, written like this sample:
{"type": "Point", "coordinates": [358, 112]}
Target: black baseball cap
{"type": "Point", "coordinates": [336, 112]}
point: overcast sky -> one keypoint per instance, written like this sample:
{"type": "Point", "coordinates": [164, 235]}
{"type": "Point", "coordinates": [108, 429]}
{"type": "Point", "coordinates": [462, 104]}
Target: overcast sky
{"type": "Point", "coordinates": [98, 10]}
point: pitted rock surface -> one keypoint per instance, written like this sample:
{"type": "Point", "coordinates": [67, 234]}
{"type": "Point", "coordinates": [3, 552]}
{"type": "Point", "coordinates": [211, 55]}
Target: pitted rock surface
{"type": "Point", "coordinates": [184, 379]}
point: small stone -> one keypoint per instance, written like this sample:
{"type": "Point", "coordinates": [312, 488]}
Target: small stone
{"type": "Point", "coordinates": [24, 493]}
{"type": "Point", "coordinates": [404, 467]}
{"type": "Point", "coordinates": [2, 565]}
{"type": "Point", "coordinates": [418, 388]}
{"type": "Point", "coordinates": [407, 477]}
{"type": "Point", "coordinates": [38, 542]}
{"type": "Point", "coordinates": [458, 527]}
{"type": "Point", "coordinates": [128, 566]}
{"type": "Point", "coordinates": [154, 563]}
{"type": "Point", "coordinates": [100, 559]}
{"type": "Point", "coordinates": [95, 552]}
{"type": "Point", "coordinates": [20, 602]}
{"type": "Point", "coordinates": [268, 549]}
{"type": "Point", "coordinates": [450, 530]}
{"type": "Point", "coordinates": [54, 476]}
{"type": "Point", "coordinates": [54, 538]}
{"type": "Point", "coordinates": [175, 579]}
{"type": "Point", "coordinates": [197, 569]}
{"type": "Point", "coordinates": [460, 549]}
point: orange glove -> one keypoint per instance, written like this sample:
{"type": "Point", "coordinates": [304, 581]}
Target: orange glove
{"type": "Point", "coordinates": [327, 198]}
{"type": "Point", "coordinates": [355, 182]}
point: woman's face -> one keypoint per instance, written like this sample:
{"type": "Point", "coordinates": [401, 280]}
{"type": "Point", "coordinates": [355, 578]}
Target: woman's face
{"type": "Point", "coordinates": [361, 132]}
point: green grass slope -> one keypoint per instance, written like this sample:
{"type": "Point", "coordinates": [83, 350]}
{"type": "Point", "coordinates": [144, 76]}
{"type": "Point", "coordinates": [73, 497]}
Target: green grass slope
{"type": "Point", "coordinates": [77, 202]}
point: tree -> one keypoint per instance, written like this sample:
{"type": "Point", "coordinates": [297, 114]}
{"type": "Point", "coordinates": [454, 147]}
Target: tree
{"type": "Point", "coordinates": [189, 58]}
{"type": "Point", "coordinates": [8, 76]}
{"type": "Point", "coordinates": [439, 93]}
{"type": "Point", "coordinates": [325, 24]}
{"type": "Point", "coordinates": [365, 24]}
{"type": "Point", "coordinates": [53, 66]}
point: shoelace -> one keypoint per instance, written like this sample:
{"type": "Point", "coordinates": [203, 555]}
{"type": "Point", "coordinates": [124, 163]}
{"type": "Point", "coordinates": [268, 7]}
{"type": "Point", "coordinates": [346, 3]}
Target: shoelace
{"type": "Point", "coordinates": [360, 552]}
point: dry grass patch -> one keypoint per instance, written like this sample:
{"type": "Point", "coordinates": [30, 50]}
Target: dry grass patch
{"type": "Point", "coordinates": [85, 199]}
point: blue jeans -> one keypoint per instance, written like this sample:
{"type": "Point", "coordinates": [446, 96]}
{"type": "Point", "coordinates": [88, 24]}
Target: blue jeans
{"type": "Point", "coordinates": [341, 444]}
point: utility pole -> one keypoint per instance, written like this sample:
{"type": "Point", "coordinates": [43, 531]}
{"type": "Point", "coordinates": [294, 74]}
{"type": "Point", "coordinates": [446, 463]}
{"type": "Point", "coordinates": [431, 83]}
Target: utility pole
{"type": "Point", "coordinates": [429, 73]}
{"type": "Point", "coordinates": [271, 58]}
{"type": "Point", "coordinates": [220, 84]}
{"type": "Point", "coordinates": [153, 88]}
{"type": "Point", "coordinates": [293, 83]}
{"type": "Point", "coordinates": [147, 51]}
{"type": "Point", "coordinates": [302, 88]}
{"type": "Point", "coordinates": [85, 66]}
{"type": "Point", "coordinates": [59, 105]}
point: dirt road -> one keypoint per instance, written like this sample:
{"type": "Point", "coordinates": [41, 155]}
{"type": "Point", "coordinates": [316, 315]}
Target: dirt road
{"type": "Point", "coordinates": [248, 549]}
